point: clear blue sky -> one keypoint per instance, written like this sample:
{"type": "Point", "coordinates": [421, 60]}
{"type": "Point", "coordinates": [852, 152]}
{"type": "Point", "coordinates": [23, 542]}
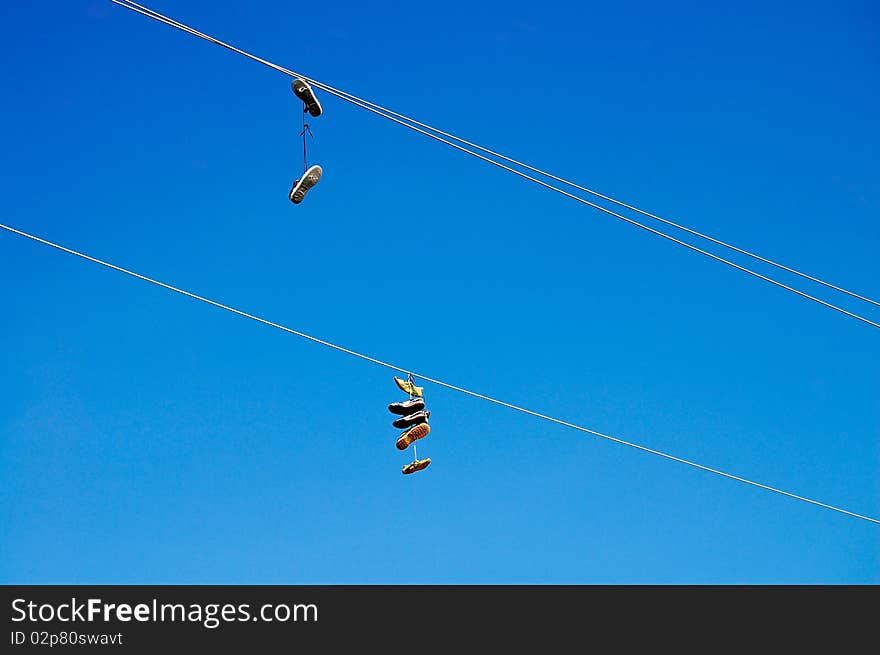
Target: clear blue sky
{"type": "Point", "coordinates": [146, 438]}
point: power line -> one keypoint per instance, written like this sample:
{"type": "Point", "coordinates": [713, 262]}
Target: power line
{"type": "Point", "coordinates": [427, 378]}
{"type": "Point", "coordinates": [619, 203]}
{"type": "Point", "coordinates": [416, 126]}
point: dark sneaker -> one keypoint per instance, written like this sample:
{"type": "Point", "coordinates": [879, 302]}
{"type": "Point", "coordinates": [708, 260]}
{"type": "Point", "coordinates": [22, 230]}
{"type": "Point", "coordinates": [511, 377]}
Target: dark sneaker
{"type": "Point", "coordinates": [417, 465]}
{"type": "Point", "coordinates": [413, 419]}
{"type": "Point", "coordinates": [304, 92]}
{"type": "Point", "coordinates": [303, 184]}
{"type": "Point", "coordinates": [413, 434]}
{"type": "Point", "coordinates": [407, 406]}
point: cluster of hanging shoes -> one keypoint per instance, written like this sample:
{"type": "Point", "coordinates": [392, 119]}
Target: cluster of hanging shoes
{"type": "Point", "coordinates": [413, 420]}
{"type": "Point", "coordinates": [311, 174]}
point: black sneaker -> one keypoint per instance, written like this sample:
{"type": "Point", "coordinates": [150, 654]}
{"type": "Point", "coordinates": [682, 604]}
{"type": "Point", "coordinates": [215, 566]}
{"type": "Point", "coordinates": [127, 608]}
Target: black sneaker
{"type": "Point", "coordinates": [304, 92]}
{"type": "Point", "coordinates": [303, 184]}
{"type": "Point", "coordinates": [413, 419]}
{"type": "Point", "coordinates": [407, 406]}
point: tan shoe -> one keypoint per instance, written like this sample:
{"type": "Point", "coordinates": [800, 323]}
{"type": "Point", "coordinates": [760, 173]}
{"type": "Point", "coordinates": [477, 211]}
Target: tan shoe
{"type": "Point", "coordinates": [417, 465]}
{"type": "Point", "coordinates": [409, 387]}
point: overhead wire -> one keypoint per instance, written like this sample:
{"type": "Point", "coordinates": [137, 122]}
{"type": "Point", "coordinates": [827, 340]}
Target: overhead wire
{"type": "Point", "coordinates": [436, 135]}
{"type": "Point", "coordinates": [427, 378]}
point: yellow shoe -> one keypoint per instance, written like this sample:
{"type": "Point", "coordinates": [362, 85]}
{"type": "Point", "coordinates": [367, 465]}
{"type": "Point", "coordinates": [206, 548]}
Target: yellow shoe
{"type": "Point", "coordinates": [409, 387]}
{"type": "Point", "coordinates": [413, 434]}
{"type": "Point", "coordinates": [417, 465]}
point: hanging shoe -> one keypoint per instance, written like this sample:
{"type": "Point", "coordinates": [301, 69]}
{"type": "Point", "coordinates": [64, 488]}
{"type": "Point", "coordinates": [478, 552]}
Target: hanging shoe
{"type": "Point", "coordinates": [407, 406]}
{"type": "Point", "coordinates": [304, 92]}
{"type": "Point", "coordinates": [413, 434]}
{"type": "Point", "coordinates": [307, 181]}
{"type": "Point", "coordinates": [417, 465]}
{"type": "Point", "coordinates": [408, 387]}
{"type": "Point", "coordinates": [416, 418]}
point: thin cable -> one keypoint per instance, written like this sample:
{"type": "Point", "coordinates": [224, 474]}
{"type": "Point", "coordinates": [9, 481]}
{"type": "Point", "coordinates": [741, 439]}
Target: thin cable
{"type": "Point", "coordinates": [426, 378]}
{"type": "Point", "coordinates": [630, 220]}
{"type": "Point", "coordinates": [615, 201]}
{"type": "Point", "coordinates": [410, 123]}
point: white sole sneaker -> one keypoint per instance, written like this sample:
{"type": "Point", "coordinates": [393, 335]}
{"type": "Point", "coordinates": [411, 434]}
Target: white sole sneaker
{"type": "Point", "coordinates": [305, 93]}
{"type": "Point", "coordinates": [307, 181]}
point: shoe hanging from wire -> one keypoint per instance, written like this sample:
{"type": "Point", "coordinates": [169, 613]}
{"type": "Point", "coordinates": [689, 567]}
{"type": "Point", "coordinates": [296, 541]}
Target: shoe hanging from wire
{"type": "Point", "coordinates": [311, 174]}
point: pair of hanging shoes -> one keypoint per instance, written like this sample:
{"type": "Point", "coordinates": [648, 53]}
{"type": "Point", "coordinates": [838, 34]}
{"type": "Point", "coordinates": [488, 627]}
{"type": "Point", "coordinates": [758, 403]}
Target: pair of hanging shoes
{"type": "Point", "coordinates": [310, 178]}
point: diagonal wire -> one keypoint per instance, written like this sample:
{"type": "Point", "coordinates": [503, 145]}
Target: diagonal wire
{"type": "Point", "coordinates": [593, 192]}
{"type": "Point", "coordinates": [426, 378]}
{"type": "Point", "coordinates": [412, 124]}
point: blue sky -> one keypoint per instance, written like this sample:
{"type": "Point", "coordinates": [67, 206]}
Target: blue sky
{"type": "Point", "coordinates": [146, 438]}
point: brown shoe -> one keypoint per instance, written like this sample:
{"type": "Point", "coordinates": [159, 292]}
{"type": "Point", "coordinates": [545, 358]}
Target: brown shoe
{"type": "Point", "coordinates": [413, 434]}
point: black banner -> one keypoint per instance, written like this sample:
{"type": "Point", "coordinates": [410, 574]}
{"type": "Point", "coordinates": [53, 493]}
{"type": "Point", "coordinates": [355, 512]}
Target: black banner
{"type": "Point", "coordinates": [196, 618]}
